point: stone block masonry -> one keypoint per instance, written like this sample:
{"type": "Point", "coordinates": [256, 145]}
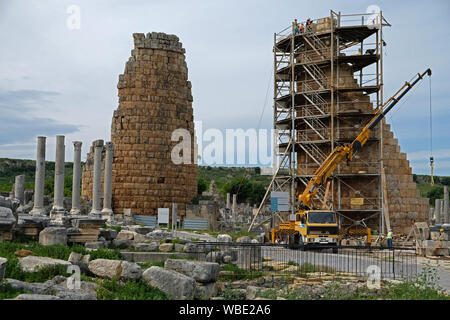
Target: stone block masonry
{"type": "Point", "coordinates": [406, 206]}
{"type": "Point", "coordinates": [154, 100]}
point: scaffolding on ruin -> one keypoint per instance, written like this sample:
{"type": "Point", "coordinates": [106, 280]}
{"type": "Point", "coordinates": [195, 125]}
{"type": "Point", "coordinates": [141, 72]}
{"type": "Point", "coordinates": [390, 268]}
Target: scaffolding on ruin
{"type": "Point", "coordinates": [318, 106]}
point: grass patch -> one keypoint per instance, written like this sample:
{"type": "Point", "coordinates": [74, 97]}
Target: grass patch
{"type": "Point", "coordinates": [146, 265]}
{"type": "Point", "coordinates": [241, 233]}
{"type": "Point", "coordinates": [117, 228]}
{"type": "Point", "coordinates": [62, 252]}
{"type": "Point", "coordinates": [14, 271]}
{"type": "Point", "coordinates": [178, 241]}
{"type": "Point", "coordinates": [238, 273]}
{"type": "Point", "coordinates": [103, 253]}
{"type": "Point", "coordinates": [229, 294]}
{"type": "Point", "coordinates": [8, 292]}
{"type": "Point", "coordinates": [129, 290]}
{"type": "Point", "coordinates": [309, 268]}
{"type": "Point", "coordinates": [424, 287]}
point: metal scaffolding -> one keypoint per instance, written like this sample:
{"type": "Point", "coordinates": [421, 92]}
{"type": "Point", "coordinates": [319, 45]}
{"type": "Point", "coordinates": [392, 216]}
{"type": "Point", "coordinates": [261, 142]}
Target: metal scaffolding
{"type": "Point", "coordinates": [328, 80]}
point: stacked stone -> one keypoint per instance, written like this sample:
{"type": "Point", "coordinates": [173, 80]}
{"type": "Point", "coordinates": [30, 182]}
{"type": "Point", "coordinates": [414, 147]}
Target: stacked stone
{"type": "Point", "coordinates": [406, 206]}
{"type": "Point", "coordinates": [154, 100]}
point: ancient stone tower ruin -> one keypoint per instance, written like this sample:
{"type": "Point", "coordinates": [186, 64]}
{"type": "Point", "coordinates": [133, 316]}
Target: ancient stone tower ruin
{"type": "Point", "coordinates": [154, 100]}
{"type": "Point", "coordinates": [328, 83]}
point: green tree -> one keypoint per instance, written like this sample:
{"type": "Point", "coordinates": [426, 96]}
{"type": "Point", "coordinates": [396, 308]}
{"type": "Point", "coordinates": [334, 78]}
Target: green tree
{"type": "Point", "coordinates": [257, 193]}
{"type": "Point", "coordinates": [445, 181]}
{"type": "Point", "coordinates": [202, 185]}
{"type": "Point", "coordinates": [436, 192]}
{"type": "Point", "coordinates": [68, 186]}
{"type": "Point", "coordinates": [48, 187]}
{"type": "Point", "coordinates": [240, 186]}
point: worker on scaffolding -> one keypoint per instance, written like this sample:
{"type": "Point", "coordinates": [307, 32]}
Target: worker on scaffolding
{"type": "Point", "coordinates": [301, 28]}
{"type": "Point", "coordinates": [309, 25]}
{"type": "Point", "coordinates": [389, 238]}
{"type": "Point", "coordinates": [295, 27]}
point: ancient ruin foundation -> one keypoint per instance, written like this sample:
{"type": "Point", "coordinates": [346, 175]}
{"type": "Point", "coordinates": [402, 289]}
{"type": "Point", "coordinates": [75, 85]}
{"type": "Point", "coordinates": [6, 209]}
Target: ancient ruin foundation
{"type": "Point", "coordinates": [154, 100]}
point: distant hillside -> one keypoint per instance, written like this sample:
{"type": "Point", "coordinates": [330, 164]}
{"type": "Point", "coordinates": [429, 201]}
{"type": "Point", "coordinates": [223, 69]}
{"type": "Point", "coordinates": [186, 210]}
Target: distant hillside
{"type": "Point", "coordinates": [250, 183]}
{"type": "Point", "coordinates": [10, 168]}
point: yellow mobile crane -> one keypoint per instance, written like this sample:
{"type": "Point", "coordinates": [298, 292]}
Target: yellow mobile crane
{"type": "Point", "coordinates": [320, 227]}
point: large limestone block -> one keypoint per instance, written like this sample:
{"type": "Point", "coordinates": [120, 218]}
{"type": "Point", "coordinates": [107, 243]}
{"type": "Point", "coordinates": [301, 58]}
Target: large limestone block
{"type": "Point", "coordinates": [205, 290]}
{"type": "Point", "coordinates": [125, 235]}
{"type": "Point", "coordinates": [53, 235]}
{"type": "Point", "coordinates": [7, 219]}
{"type": "Point", "coordinates": [146, 246]}
{"type": "Point", "coordinates": [108, 234]}
{"type": "Point", "coordinates": [115, 268]}
{"type": "Point", "coordinates": [203, 272]}
{"type": "Point", "coordinates": [158, 235]}
{"type": "Point", "coordinates": [439, 236]}
{"type": "Point", "coordinates": [166, 247]}
{"type": "Point", "coordinates": [173, 283]}
{"type": "Point", "coordinates": [224, 238]}
{"type": "Point", "coordinates": [244, 239]}
{"type": "Point", "coordinates": [3, 262]}
{"type": "Point", "coordinates": [33, 263]}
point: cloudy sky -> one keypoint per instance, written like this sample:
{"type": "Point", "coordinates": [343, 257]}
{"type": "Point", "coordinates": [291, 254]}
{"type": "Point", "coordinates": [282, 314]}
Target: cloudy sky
{"type": "Point", "coordinates": [57, 80]}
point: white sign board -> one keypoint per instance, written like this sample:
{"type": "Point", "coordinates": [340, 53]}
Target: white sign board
{"type": "Point", "coordinates": [163, 215]}
{"type": "Point", "coordinates": [279, 194]}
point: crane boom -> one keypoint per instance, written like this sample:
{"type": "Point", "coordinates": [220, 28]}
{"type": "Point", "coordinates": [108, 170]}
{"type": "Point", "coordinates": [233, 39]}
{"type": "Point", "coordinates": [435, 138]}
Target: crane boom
{"type": "Point", "coordinates": [330, 164]}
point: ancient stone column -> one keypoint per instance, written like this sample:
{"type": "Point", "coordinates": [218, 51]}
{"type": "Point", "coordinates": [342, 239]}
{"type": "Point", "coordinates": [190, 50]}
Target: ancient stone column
{"type": "Point", "coordinates": [437, 211]}
{"type": "Point", "coordinates": [76, 178]}
{"type": "Point", "coordinates": [19, 188]}
{"type": "Point", "coordinates": [228, 201]}
{"type": "Point", "coordinates": [38, 208]}
{"type": "Point", "coordinates": [233, 210]}
{"type": "Point", "coordinates": [58, 200]}
{"type": "Point", "coordinates": [97, 182]}
{"type": "Point", "coordinates": [445, 213]}
{"type": "Point", "coordinates": [107, 182]}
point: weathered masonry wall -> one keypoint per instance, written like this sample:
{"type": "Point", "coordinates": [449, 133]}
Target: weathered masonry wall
{"type": "Point", "coordinates": [154, 100]}
{"type": "Point", "coordinates": [406, 206]}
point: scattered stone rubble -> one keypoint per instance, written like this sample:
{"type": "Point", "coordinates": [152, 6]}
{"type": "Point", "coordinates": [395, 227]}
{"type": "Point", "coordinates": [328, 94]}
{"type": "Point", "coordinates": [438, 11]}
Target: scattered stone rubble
{"type": "Point", "coordinates": [432, 241]}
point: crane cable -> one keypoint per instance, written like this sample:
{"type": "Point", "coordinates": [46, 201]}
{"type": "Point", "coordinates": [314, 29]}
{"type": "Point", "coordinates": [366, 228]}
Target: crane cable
{"type": "Point", "coordinates": [431, 141]}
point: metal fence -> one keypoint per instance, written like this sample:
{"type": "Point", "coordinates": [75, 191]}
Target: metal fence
{"type": "Point", "coordinates": [266, 259]}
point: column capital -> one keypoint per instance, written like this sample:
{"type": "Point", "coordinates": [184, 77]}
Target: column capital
{"type": "Point", "coordinates": [109, 146]}
{"type": "Point", "coordinates": [77, 145]}
{"type": "Point", "coordinates": [98, 143]}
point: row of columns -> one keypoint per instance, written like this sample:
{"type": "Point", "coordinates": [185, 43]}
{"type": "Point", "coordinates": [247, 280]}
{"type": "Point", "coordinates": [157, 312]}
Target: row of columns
{"type": "Point", "coordinates": [58, 202]}
{"type": "Point", "coordinates": [440, 214]}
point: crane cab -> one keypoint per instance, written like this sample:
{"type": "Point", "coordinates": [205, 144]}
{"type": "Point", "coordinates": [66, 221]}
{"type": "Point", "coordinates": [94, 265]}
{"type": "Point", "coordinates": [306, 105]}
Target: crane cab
{"type": "Point", "coordinates": [311, 228]}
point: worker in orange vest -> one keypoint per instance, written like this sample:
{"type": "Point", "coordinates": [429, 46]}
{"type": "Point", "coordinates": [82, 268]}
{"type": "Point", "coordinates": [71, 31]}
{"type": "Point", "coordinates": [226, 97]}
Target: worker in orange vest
{"type": "Point", "coordinates": [301, 28]}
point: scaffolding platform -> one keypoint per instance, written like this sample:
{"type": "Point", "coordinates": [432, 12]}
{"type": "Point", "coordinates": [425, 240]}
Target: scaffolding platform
{"type": "Point", "coordinates": [328, 80]}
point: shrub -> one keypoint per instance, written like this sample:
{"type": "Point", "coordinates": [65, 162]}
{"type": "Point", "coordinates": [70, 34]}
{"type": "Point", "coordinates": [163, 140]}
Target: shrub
{"type": "Point", "coordinates": [129, 290]}
{"type": "Point", "coordinates": [8, 292]}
